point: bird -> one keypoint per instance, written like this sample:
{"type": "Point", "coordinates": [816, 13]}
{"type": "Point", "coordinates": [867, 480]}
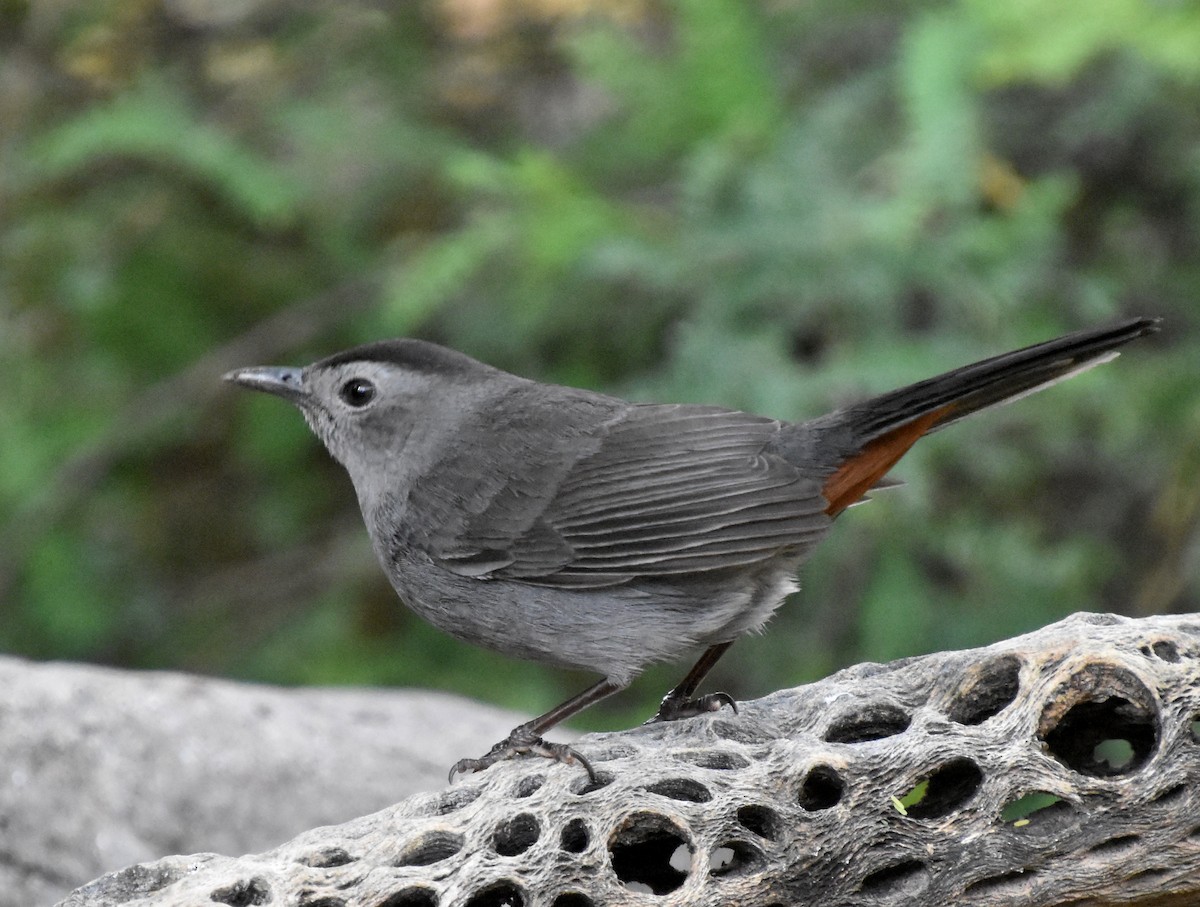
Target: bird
{"type": "Point", "coordinates": [578, 529]}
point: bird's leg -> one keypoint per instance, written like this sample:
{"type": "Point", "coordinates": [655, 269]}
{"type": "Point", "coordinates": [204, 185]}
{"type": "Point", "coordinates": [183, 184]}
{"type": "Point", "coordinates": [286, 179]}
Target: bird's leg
{"type": "Point", "coordinates": [679, 702]}
{"type": "Point", "coordinates": [526, 739]}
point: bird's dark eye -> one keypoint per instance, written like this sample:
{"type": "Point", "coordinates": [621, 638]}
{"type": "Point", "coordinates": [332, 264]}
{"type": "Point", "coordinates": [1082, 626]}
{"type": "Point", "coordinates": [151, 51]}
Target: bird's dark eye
{"type": "Point", "coordinates": [357, 392]}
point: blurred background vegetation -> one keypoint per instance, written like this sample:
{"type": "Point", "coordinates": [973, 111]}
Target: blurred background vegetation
{"type": "Point", "coordinates": [779, 206]}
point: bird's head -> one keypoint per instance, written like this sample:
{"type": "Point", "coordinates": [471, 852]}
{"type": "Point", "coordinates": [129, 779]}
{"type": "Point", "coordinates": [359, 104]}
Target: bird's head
{"type": "Point", "coordinates": [364, 403]}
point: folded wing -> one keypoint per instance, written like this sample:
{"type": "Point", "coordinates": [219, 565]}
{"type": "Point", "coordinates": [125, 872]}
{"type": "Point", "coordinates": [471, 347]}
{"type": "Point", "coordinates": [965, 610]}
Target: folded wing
{"type": "Point", "coordinates": [669, 490]}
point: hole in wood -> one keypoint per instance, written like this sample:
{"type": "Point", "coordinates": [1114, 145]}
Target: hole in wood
{"type": "Point", "coordinates": [680, 789]}
{"type": "Point", "coordinates": [1170, 795]}
{"type": "Point", "coordinates": [1164, 649]}
{"type": "Point", "coordinates": [499, 894]}
{"type": "Point", "coordinates": [430, 848]}
{"type": "Point", "coordinates": [822, 789]}
{"type": "Point", "coordinates": [987, 691]}
{"type": "Point", "coordinates": [586, 785]}
{"type": "Point", "coordinates": [1100, 702]}
{"type": "Point", "coordinates": [761, 820]}
{"type": "Point", "coordinates": [872, 722]}
{"type": "Point", "coordinates": [327, 858]}
{"type": "Point", "coordinates": [456, 799]}
{"type": "Point", "coordinates": [1026, 805]}
{"type": "Point", "coordinates": [573, 899]}
{"type": "Point", "coordinates": [411, 897]}
{"type": "Point", "coordinates": [947, 789]}
{"type": "Point", "coordinates": [1038, 810]}
{"type": "Point", "coordinates": [906, 879]}
{"type": "Point", "coordinates": [575, 836]}
{"type": "Point", "coordinates": [529, 785]}
{"type": "Point", "coordinates": [1196, 729]}
{"type": "Point", "coordinates": [516, 835]}
{"type": "Point", "coordinates": [1121, 842]}
{"type": "Point", "coordinates": [245, 893]}
{"type": "Point", "coordinates": [650, 853]}
{"type": "Point", "coordinates": [1018, 879]}
{"type": "Point", "coordinates": [733, 858]}
{"type": "Point", "coordinates": [309, 901]}
{"type": "Point", "coordinates": [1101, 738]}
{"type": "Point", "coordinates": [1149, 875]}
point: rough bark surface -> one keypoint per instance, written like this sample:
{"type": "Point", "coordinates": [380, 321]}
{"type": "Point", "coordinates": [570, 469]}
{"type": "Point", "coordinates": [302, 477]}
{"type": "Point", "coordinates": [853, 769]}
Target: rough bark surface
{"type": "Point", "coordinates": [101, 768]}
{"type": "Point", "coordinates": [909, 783]}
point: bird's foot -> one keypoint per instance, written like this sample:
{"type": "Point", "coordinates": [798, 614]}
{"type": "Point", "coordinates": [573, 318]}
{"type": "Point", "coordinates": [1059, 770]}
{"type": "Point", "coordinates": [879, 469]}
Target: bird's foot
{"type": "Point", "coordinates": [522, 742]}
{"type": "Point", "coordinates": [674, 707]}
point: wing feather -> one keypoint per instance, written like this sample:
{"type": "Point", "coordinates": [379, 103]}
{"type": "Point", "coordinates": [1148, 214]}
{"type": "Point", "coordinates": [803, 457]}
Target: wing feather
{"type": "Point", "coordinates": [666, 490]}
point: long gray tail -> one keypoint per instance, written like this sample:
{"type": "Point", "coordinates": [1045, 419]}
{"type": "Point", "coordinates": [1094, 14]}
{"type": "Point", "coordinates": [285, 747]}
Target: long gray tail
{"type": "Point", "coordinates": [860, 443]}
{"type": "Point", "coordinates": [1001, 379]}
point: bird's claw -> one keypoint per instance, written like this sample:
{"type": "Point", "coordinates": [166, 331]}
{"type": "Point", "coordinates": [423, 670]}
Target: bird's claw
{"type": "Point", "coordinates": [672, 708]}
{"type": "Point", "coordinates": [523, 743]}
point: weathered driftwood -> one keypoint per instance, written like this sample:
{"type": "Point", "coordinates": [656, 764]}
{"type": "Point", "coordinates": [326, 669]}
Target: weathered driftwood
{"type": "Point", "coordinates": [908, 783]}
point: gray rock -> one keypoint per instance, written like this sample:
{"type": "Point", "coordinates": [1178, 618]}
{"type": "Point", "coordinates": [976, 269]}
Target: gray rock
{"type": "Point", "coordinates": [101, 768]}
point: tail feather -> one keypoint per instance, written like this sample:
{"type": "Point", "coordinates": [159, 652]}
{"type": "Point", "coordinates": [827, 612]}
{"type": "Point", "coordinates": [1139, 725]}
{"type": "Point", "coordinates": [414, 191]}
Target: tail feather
{"type": "Point", "coordinates": [868, 438]}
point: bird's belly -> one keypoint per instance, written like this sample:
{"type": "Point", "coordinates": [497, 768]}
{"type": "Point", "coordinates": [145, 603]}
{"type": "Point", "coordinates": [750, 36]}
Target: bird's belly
{"type": "Point", "coordinates": [615, 631]}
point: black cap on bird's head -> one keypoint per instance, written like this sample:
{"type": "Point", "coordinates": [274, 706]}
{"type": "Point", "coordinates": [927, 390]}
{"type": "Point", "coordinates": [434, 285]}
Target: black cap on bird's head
{"type": "Point", "coordinates": [410, 355]}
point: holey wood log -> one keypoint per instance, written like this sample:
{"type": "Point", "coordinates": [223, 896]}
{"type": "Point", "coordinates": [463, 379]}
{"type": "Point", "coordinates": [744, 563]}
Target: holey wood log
{"type": "Point", "coordinates": [1060, 767]}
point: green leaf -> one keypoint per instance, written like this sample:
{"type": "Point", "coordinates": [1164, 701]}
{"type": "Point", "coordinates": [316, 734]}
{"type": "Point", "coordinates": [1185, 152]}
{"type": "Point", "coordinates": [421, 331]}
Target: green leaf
{"type": "Point", "coordinates": [714, 83]}
{"type": "Point", "coordinates": [1051, 42]}
{"type": "Point", "coordinates": [943, 153]}
{"type": "Point", "coordinates": [415, 289]}
{"type": "Point", "coordinates": [154, 124]}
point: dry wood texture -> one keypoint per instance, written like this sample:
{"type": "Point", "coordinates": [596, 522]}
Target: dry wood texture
{"type": "Point", "coordinates": [1061, 767]}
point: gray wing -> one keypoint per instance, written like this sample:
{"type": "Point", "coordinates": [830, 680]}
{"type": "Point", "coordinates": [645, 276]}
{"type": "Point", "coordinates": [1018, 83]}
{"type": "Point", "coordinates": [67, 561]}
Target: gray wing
{"type": "Point", "coordinates": [665, 490]}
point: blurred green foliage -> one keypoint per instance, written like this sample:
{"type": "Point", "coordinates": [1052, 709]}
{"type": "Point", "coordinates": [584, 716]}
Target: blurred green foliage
{"type": "Point", "coordinates": [779, 207]}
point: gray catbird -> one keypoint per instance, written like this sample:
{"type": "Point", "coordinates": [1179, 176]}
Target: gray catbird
{"type": "Point", "coordinates": [578, 529]}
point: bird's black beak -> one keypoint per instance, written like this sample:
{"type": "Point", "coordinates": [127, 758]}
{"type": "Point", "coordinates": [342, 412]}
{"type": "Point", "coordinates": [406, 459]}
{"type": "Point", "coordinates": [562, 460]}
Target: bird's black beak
{"type": "Point", "coordinates": [280, 380]}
